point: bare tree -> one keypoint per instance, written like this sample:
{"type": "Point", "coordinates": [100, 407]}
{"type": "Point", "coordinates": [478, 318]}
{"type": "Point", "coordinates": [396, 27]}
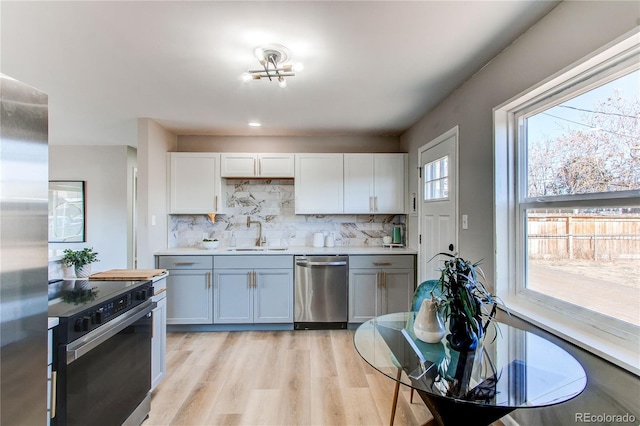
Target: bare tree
{"type": "Point", "coordinates": [606, 157]}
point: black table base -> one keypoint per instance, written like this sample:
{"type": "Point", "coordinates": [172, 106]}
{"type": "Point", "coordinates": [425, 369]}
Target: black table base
{"type": "Point", "coordinates": [447, 411]}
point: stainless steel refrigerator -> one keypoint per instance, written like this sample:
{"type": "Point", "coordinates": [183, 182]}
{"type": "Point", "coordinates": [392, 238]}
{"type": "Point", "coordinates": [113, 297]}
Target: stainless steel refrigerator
{"type": "Point", "coordinates": [23, 253]}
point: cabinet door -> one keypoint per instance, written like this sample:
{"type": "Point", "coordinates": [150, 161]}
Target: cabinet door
{"type": "Point", "coordinates": [238, 165]}
{"type": "Point", "coordinates": [398, 285]}
{"type": "Point", "coordinates": [358, 183]}
{"type": "Point", "coordinates": [158, 342]}
{"type": "Point", "coordinates": [389, 183]}
{"type": "Point", "coordinates": [189, 297]}
{"type": "Point", "coordinates": [273, 298]}
{"type": "Point", "coordinates": [319, 183]}
{"type": "Point", "coordinates": [275, 165]}
{"type": "Point", "coordinates": [194, 186]}
{"type": "Point", "coordinates": [233, 296]}
{"type": "Point", "coordinates": [364, 294]}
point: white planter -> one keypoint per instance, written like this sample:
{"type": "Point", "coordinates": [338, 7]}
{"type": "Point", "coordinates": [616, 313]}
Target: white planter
{"type": "Point", "coordinates": [83, 271]}
{"type": "Point", "coordinates": [428, 325]}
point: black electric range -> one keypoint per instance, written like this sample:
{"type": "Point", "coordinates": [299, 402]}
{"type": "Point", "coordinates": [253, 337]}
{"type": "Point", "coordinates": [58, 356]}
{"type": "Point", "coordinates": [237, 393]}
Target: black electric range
{"type": "Point", "coordinates": [102, 351]}
{"type": "Point", "coordinates": [83, 305]}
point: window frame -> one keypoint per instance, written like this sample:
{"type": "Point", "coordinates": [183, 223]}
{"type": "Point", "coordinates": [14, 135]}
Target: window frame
{"type": "Point", "coordinates": [610, 338]}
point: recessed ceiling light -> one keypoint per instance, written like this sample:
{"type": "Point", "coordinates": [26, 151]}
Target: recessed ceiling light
{"type": "Point", "coordinates": [254, 124]}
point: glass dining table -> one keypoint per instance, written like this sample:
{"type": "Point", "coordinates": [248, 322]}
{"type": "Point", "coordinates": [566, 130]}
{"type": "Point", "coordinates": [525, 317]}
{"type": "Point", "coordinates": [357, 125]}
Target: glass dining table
{"type": "Point", "coordinates": [510, 369]}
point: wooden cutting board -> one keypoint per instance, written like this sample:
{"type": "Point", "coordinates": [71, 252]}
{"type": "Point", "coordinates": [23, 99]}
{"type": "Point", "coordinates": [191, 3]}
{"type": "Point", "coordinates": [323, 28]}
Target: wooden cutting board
{"type": "Point", "coordinates": [127, 274]}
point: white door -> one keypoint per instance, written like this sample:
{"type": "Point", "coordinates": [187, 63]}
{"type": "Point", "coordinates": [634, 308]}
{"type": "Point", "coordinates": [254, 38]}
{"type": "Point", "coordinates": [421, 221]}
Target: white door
{"type": "Point", "coordinates": [439, 202]}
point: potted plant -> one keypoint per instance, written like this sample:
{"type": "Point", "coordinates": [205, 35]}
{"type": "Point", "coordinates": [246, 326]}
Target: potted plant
{"type": "Point", "coordinates": [81, 260]}
{"type": "Point", "coordinates": [465, 302]}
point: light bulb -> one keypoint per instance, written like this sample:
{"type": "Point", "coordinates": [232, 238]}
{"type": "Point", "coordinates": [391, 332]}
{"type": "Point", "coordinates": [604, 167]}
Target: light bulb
{"type": "Point", "coordinates": [282, 82]}
{"type": "Point", "coordinates": [245, 76]}
{"type": "Point", "coordinates": [298, 66]}
{"type": "Point", "coordinates": [259, 53]}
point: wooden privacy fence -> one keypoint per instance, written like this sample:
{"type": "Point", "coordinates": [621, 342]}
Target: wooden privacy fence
{"type": "Point", "coordinates": [561, 236]}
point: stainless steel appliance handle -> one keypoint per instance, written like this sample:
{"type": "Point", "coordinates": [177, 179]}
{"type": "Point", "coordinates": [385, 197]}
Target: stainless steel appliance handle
{"type": "Point", "coordinates": [90, 341]}
{"type": "Point", "coordinates": [307, 263]}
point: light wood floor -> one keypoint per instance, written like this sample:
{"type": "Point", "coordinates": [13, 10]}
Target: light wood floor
{"type": "Point", "coordinates": [275, 378]}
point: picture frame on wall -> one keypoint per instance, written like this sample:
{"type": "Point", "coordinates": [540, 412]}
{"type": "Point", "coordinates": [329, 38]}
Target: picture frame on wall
{"type": "Point", "coordinates": [67, 212]}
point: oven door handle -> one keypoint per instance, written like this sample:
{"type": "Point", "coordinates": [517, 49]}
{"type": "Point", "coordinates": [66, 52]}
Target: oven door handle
{"type": "Point", "coordinates": [80, 347]}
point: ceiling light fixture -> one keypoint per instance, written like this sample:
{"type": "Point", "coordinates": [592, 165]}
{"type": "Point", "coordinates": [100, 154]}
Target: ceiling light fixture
{"type": "Point", "coordinates": [272, 58]}
{"type": "Point", "coordinates": [254, 124]}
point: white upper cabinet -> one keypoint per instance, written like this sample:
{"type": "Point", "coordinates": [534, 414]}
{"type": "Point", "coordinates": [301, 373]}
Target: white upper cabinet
{"type": "Point", "coordinates": [257, 165]}
{"type": "Point", "coordinates": [319, 184]}
{"type": "Point", "coordinates": [375, 183]}
{"type": "Point", "coordinates": [194, 183]}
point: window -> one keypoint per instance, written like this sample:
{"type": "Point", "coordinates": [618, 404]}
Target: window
{"type": "Point", "coordinates": [436, 179]}
{"type": "Point", "coordinates": [568, 188]}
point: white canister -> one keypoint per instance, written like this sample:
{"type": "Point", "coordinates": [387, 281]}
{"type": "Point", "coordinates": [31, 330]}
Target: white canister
{"type": "Point", "coordinates": [329, 241]}
{"type": "Point", "coordinates": [318, 239]}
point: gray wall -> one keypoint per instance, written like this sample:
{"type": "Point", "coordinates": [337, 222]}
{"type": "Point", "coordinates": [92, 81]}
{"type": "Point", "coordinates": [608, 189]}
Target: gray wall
{"type": "Point", "coordinates": [570, 32]}
{"type": "Point", "coordinates": [108, 197]}
{"type": "Point", "coordinates": [289, 144]}
{"type": "Point", "coordinates": [154, 141]}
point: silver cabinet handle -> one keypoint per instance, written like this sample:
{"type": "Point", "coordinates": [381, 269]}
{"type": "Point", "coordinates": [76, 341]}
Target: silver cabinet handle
{"type": "Point", "coordinates": [54, 393]}
{"type": "Point", "coordinates": [208, 279]}
{"type": "Point", "coordinates": [184, 263]}
{"type": "Point", "coordinates": [307, 263]}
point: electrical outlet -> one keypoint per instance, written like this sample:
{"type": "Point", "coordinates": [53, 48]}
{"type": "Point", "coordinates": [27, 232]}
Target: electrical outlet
{"type": "Point", "coordinates": [465, 221]}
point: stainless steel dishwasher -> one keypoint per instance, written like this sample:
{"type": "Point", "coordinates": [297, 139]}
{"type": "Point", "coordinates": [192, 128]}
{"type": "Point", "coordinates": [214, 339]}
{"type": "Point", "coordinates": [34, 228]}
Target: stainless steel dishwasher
{"type": "Point", "coordinates": [321, 292]}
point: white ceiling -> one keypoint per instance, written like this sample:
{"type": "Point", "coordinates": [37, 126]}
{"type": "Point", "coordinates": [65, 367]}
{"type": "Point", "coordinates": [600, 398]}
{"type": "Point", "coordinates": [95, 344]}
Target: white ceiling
{"type": "Point", "coordinates": [370, 67]}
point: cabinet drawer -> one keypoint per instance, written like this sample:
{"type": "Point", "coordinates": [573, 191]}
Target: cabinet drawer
{"type": "Point", "coordinates": [185, 262]}
{"type": "Point", "coordinates": [400, 261]}
{"type": "Point", "coordinates": [254, 262]}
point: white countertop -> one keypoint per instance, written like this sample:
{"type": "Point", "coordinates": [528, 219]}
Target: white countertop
{"type": "Point", "coordinates": [289, 251]}
{"type": "Point", "coordinates": [52, 322]}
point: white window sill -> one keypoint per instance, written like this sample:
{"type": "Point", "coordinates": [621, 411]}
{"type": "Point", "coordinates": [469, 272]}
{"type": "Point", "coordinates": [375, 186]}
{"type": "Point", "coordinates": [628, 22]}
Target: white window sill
{"type": "Point", "coordinates": [623, 353]}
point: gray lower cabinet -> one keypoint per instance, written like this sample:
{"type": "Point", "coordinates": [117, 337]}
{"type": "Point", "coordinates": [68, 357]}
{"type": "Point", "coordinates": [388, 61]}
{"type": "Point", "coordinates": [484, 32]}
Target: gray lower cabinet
{"type": "Point", "coordinates": [380, 284]}
{"type": "Point", "coordinates": [258, 295]}
{"type": "Point", "coordinates": [158, 342]}
{"type": "Point", "coordinates": [189, 289]}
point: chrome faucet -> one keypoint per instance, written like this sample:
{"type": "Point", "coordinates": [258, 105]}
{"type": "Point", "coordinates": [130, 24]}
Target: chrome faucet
{"type": "Point", "coordinates": [260, 241]}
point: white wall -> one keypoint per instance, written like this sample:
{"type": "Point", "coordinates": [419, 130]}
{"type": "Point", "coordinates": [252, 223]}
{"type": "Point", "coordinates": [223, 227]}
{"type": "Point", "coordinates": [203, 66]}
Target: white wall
{"type": "Point", "coordinates": [105, 169]}
{"type": "Point", "coordinates": [154, 141]}
{"type": "Point", "coordinates": [573, 30]}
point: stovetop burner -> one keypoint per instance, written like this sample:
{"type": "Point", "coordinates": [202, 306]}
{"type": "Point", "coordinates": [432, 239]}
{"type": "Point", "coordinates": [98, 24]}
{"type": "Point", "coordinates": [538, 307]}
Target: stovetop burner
{"type": "Point", "coordinates": [84, 305]}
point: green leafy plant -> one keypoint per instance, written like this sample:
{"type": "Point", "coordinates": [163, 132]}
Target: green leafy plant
{"type": "Point", "coordinates": [465, 301]}
{"type": "Point", "coordinates": [79, 258]}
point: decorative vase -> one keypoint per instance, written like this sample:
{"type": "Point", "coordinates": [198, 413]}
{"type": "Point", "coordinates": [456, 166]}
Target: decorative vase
{"type": "Point", "coordinates": [461, 337]}
{"type": "Point", "coordinates": [68, 272]}
{"type": "Point", "coordinates": [83, 271]}
{"type": "Point", "coordinates": [428, 325]}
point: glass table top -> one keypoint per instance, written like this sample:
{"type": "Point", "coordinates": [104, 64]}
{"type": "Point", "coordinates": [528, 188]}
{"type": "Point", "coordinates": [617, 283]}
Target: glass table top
{"type": "Point", "coordinates": [511, 368]}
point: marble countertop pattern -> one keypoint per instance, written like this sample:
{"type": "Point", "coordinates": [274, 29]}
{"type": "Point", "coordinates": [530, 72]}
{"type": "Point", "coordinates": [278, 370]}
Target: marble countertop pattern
{"type": "Point", "coordinates": [292, 250]}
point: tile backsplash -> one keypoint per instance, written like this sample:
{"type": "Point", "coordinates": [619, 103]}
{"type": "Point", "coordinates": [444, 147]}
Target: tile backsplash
{"type": "Point", "coordinates": [271, 202]}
